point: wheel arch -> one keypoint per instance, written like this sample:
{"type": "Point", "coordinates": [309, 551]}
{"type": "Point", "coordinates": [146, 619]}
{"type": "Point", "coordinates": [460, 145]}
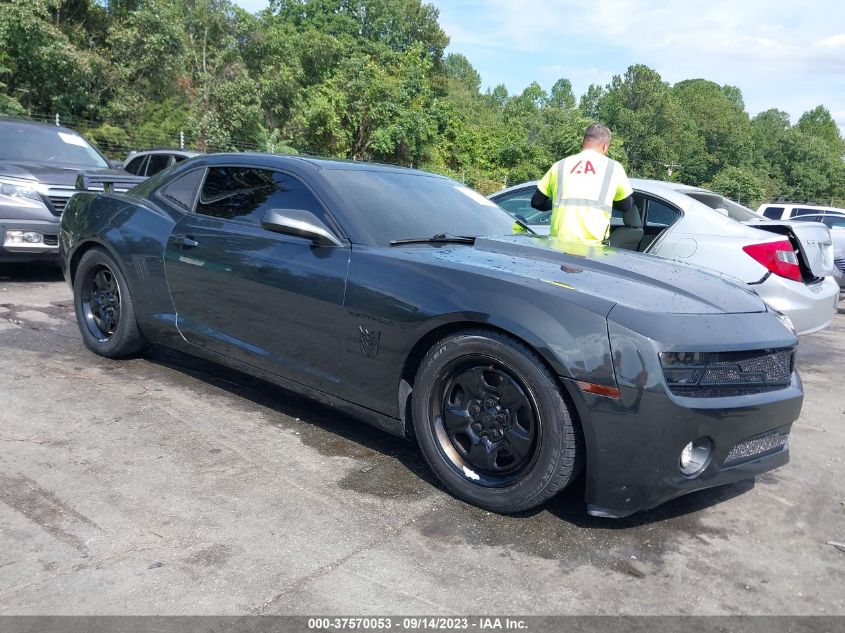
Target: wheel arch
{"type": "Point", "coordinates": [84, 247]}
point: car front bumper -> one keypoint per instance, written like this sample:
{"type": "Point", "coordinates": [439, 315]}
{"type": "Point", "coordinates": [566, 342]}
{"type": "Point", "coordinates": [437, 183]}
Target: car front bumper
{"type": "Point", "coordinates": [811, 307]}
{"type": "Point", "coordinates": [634, 442]}
{"type": "Point", "coordinates": [47, 249]}
{"type": "Point", "coordinates": [636, 466]}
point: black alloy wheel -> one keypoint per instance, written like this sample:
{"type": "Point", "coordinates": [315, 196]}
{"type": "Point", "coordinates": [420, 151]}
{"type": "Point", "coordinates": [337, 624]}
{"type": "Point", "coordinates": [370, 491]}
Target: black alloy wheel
{"type": "Point", "coordinates": [493, 422]}
{"type": "Point", "coordinates": [104, 308]}
{"type": "Point", "coordinates": [486, 425]}
{"type": "Point", "coordinates": [101, 302]}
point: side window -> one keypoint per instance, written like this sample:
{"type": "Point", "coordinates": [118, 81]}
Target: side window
{"type": "Point", "coordinates": [157, 163]}
{"type": "Point", "coordinates": [799, 211]}
{"type": "Point", "coordinates": [246, 194]}
{"type": "Point", "coordinates": [183, 191]}
{"type": "Point", "coordinates": [773, 213]}
{"type": "Point", "coordinates": [134, 165]}
{"type": "Point", "coordinates": [835, 222]}
{"type": "Point", "coordinates": [660, 214]}
{"type": "Point", "coordinates": [519, 203]}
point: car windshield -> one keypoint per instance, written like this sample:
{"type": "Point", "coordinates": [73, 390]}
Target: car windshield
{"type": "Point", "coordinates": [384, 206]}
{"type": "Point", "coordinates": [42, 144]}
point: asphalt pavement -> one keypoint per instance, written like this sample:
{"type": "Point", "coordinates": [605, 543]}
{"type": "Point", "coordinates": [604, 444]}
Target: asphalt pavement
{"type": "Point", "coordinates": [169, 485]}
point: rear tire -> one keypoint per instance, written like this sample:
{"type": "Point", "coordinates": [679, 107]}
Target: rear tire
{"type": "Point", "coordinates": [492, 422]}
{"type": "Point", "coordinates": [105, 312]}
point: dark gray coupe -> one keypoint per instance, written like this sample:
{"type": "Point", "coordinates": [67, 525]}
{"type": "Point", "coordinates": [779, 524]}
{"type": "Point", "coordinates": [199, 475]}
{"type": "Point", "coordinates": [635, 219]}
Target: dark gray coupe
{"type": "Point", "coordinates": [402, 298]}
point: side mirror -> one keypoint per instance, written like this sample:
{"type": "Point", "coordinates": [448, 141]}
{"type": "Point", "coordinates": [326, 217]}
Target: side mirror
{"type": "Point", "coordinates": [299, 223]}
{"type": "Point", "coordinates": [116, 164]}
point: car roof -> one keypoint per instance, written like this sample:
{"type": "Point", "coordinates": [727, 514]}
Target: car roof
{"type": "Point", "coordinates": [522, 185]}
{"type": "Point", "coordinates": [37, 124]}
{"type": "Point", "coordinates": [315, 162]}
{"type": "Point", "coordinates": [164, 150]}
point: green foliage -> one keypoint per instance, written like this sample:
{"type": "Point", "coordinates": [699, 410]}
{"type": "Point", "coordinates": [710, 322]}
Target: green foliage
{"type": "Point", "coordinates": [739, 185]}
{"type": "Point", "coordinates": [369, 80]}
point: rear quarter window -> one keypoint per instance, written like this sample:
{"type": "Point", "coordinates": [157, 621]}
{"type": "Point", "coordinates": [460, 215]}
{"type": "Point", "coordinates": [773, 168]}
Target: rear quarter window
{"type": "Point", "coordinates": [660, 214]}
{"type": "Point", "coordinates": [182, 192]}
{"type": "Point", "coordinates": [773, 213]}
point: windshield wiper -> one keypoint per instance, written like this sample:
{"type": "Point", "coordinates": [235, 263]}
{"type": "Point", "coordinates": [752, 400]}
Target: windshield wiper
{"type": "Point", "coordinates": [521, 223]}
{"type": "Point", "coordinates": [440, 238]}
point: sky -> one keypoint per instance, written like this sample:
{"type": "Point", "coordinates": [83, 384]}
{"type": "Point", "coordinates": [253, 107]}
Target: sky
{"type": "Point", "coordinates": [785, 55]}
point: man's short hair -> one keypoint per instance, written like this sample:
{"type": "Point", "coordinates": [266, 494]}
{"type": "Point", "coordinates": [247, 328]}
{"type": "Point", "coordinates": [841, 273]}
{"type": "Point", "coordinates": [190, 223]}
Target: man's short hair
{"type": "Point", "coordinates": [597, 133]}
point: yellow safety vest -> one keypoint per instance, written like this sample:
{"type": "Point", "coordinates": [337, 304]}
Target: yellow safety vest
{"type": "Point", "coordinates": [583, 188]}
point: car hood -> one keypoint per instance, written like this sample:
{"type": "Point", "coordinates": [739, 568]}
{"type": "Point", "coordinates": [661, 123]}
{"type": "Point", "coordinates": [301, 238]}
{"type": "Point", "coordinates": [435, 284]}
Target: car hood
{"type": "Point", "coordinates": [642, 282]}
{"type": "Point", "coordinates": [49, 174]}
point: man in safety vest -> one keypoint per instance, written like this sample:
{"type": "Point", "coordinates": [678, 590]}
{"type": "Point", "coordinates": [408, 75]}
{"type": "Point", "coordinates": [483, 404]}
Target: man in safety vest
{"type": "Point", "coordinates": [581, 190]}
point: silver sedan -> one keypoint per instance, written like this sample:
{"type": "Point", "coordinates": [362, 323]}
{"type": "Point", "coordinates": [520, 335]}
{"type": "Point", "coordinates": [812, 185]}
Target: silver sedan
{"type": "Point", "coordinates": [788, 264]}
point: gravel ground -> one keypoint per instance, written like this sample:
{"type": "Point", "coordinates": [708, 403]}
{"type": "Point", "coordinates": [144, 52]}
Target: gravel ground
{"type": "Point", "coordinates": [169, 485]}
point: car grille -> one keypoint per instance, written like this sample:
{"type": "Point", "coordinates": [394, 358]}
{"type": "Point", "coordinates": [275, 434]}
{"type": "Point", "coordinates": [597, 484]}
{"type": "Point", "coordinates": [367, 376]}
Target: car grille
{"type": "Point", "coordinates": [59, 198]}
{"type": "Point", "coordinates": [58, 204]}
{"type": "Point", "coordinates": [757, 447]}
{"type": "Point", "coordinates": [51, 240]}
{"type": "Point", "coordinates": [839, 262]}
{"type": "Point", "coordinates": [726, 374]}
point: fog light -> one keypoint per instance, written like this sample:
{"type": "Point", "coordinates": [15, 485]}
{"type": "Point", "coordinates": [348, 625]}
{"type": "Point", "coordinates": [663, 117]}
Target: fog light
{"type": "Point", "coordinates": [695, 457]}
{"type": "Point", "coordinates": [23, 237]}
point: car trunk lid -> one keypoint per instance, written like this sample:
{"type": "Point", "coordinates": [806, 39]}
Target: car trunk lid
{"type": "Point", "coordinates": [811, 241]}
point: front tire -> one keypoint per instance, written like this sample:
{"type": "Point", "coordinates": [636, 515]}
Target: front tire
{"type": "Point", "coordinates": [492, 422]}
{"type": "Point", "coordinates": [105, 312]}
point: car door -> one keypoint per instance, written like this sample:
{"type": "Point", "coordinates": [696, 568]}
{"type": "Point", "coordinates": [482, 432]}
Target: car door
{"type": "Point", "coordinates": [270, 300]}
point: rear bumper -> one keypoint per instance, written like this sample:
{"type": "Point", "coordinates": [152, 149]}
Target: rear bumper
{"type": "Point", "coordinates": [29, 252]}
{"type": "Point", "coordinates": [811, 307]}
{"type": "Point", "coordinates": [638, 442]}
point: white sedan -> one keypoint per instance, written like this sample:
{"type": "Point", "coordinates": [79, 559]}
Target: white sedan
{"type": "Point", "coordinates": [789, 264]}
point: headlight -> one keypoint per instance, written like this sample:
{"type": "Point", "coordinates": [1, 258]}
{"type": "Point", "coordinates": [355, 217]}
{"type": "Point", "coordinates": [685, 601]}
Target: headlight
{"type": "Point", "coordinates": [682, 368]}
{"type": "Point", "coordinates": [18, 190]}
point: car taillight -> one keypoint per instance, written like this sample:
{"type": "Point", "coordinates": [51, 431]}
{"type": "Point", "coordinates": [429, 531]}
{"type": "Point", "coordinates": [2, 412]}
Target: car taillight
{"type": "Point", "coordinates": [777, 257]}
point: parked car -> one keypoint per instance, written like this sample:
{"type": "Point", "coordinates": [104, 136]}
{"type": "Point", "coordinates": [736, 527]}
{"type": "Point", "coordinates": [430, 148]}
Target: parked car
{"type": "Point", "coordinates": [835, 221]}
{"type": "Point", "coordinates": [39, 166]}
{"type": "Point", "coordinates": [790, 210]}
{"type": "Point", "coordinates": [789, 264]}
{"type": "Point", "coordinates": [514, 365]}
{"type": "Point", "coordinates": [150, 162]}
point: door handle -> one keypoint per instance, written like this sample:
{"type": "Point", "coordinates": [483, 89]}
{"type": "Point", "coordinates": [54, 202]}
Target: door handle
{"type": "Point", "coordinates": [187, 242]}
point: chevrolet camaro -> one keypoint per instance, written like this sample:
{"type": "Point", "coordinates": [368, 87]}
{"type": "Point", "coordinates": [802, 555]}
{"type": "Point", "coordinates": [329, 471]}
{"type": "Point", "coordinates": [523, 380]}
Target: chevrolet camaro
{"type": "Point", "coordinates": [403, 298]}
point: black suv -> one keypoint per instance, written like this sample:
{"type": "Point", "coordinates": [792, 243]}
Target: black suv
{"type": "Point", "coordinates": [39, 166]}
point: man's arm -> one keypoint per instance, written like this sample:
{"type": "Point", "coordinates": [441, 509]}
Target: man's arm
{"type": "Point", "coordinates": [541, 201]}
{"type": "Point", "coordinates": [624, 205]}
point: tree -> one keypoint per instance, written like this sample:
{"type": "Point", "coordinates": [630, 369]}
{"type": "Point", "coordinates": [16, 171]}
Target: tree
{"type": "Point", "coordinates": [589, 103]}
{"type": "Point", "coordinates": [562, 96]}
{"type": "Point", "coordinates": [739, 185]}
{"type": "Point", "coordinates": [819, 124]}
{"type": "Point", "coordinates": [640, 108]}
{"type": "Point", "coordinates": [457, 67]}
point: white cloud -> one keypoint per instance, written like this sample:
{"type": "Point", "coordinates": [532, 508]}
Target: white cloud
{"type": "Point", "coordinates": [834, 41]}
